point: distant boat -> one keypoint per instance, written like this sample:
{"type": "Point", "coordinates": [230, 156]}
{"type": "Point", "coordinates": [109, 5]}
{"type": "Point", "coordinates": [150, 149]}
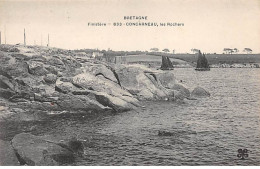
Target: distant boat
{"type": "Point", "coordinates": [166, 63]}
{"type": "Point", "coordinates": [202, 63]}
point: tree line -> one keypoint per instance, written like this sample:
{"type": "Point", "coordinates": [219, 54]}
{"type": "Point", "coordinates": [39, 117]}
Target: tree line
{"type": "Point", "coordinates": [194, 50]}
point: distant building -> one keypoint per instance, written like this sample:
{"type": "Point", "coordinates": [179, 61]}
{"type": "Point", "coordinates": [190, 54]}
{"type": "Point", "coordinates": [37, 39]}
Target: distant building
{"type": "Point", "coordinates": [97, 54]}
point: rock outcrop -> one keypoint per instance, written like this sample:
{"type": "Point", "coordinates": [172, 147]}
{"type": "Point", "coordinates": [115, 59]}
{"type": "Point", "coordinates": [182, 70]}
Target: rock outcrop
{"type": "Point", "coordinates": [7, 154]}
{"type": "Point", "coordinates": [47, 79]}
{"type": "Point", "coordinates": [144, 83]}
{"type": "Point", "coordinates": [40, 80]}
{"type": "Point", "coordinates": [34, 150]}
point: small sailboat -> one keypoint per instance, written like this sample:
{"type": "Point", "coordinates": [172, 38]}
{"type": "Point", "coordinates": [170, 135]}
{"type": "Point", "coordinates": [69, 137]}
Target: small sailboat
{"type": "Point", "coordinates": [166, 63]}
{"type": "Point", "coordinates": [202, 63]}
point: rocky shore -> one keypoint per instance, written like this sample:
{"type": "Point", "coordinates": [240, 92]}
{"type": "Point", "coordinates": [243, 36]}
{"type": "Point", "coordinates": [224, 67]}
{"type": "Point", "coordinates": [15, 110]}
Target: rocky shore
{"type": "Point", "coordinates": [38, 81]}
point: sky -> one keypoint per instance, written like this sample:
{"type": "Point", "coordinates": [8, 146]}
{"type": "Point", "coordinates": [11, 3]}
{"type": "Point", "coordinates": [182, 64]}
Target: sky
{"type": "Point", "coordinates": [209, 25]}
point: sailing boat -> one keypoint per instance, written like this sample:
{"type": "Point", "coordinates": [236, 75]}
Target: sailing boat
{"type": "Point", "coordinates": [166, 63]}
{"type": "Point", "coordinates": [202, 63]}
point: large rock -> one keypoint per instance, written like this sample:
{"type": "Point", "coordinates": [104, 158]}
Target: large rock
{"type": "Point", "coordinates": [117, 104]}
{"type": "Point", "coordinates": [128, 78]}
{"type": "Point", "coordinates": [184, 91]}
{"type": "Point", "coordinates": [148, 86]}
{"type": "Point", "coordinates": [50, 78]}
{"type": "Point", "coordinates": [25, 114]}
{"type": "Point", "coordinates": [9, 86]}
{"type": "Point", "coordinates": [166, 79]}
{"type": "Point", "coordinates": [105, 89]}
{"type": "Point", "coordinates": [62, 102]}
{"type": "Point", "coordinates": [5, 83]}
{"type": "Point", "coordinates": [7, 154]}
{"type": "Point", "coordinates": [6, 93]}
{"type": "Point", "coordinates": [200, 92]}
{"type": "Point", "coordinates": [64, 85]}
{"type": "Point", "coordinates": [51, 69]}
{"type": "Point", "coordinates": [102, 70]}
{"type": "Point", "coordinates": [144, 83]}
{"type": "Point", "coordinates": [34, 150]}
{"type": "Point", "coordinates": [36, 68]}
{"type": "Point", "coordinates": [5, 113]}
{"type": "Point", "coordinates": [56, 61]}
{"type": "Point", "coordinates": [79, 102]}
{"type": "Point", "coordinates": [14, 69]}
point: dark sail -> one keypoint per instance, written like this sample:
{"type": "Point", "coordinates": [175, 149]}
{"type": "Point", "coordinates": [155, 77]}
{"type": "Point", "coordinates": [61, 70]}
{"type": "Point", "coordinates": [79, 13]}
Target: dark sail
{"type": "Point", "coordinates": [202, 62]}
{"type": "Point", "coordinates": [166, 63]}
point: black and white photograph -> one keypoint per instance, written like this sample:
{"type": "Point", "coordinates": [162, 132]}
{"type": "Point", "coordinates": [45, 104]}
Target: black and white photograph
{"type": "Point", "coordinates": [129, 83]}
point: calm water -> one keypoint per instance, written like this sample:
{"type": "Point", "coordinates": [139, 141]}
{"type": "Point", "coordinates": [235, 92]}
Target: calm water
{"type": "Point", "coordinates": [208, 131]}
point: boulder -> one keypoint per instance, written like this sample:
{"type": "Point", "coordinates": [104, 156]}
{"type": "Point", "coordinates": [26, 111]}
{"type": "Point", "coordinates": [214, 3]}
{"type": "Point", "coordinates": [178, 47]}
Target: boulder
{"type": "Point", "coordinates": [144, 83]}
{"type": "Point", "coordinates": [6, 93]}
{"type": "Point", "coordinates": [102, 70]}
{"type": "Point", "coordinates": [7, 154]}
{"type": "Point", "coordinates": [18, 114]}
{"type": "Point", "coordinates": [105, 86]}
{"type": "Point", "coordinates": [64, 85]}
{"type": "Point", "coordinates": [148, 86]}
{"type": "Point", "coordinates": [36, 68]}
{"type": "Point", "coordinates": [35, 151]}
{"type": "Point", "coordinates": [128, 78]}
{"type": "Point", "coordinates": [5, 83]}
{"type": "Point", "coordinates": [50, 78]}
{"type": "Point", "coordinates": [9, 86]}
{"type": "Point", "coordinates": [56, 61]}
{"type": "Point", "coordinates": [5, 113]}
{"type": "Point", "coordinates": [13, 68]}
{"type": "Point", "coordinates": [115, 103]}
{"type": "Point", "coordinates": [62, 102]}
{"type": "Point", "coordinates": [166, 79]}
{"type": "Point", "coordinates": [51, 69]}
{"type": "Point", "coordinates": [178, 95]}
{"type": "Point", "coordinates": [79, 102]}
{"type": "Point", "coordinates": [71, 143]}
{"type": "Point", "coordinates": [181, 89]}
{"type": "Point", "coordinates": [200, 92]}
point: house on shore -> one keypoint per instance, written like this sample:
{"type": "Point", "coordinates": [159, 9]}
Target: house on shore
{"type": "Point", "coordinates": [97, 54]}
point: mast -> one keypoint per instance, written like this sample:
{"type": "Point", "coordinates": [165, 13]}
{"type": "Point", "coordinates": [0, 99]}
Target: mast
{"type": "Point", "coordinates": [5, 35]}
{"type": "Point", "coordinates": [48, 44]}
{"type": "Point", "coordinates": [24, 38]}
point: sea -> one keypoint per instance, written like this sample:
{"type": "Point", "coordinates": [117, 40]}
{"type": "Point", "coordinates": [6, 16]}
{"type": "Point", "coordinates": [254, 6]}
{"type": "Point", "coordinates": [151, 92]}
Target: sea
{"type": "Point", "coordinates": [206, 131]}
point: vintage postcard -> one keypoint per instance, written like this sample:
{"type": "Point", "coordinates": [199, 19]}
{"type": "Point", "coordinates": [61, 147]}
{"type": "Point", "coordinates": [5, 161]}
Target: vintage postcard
{"type": "Point", "coordinates": [129, 83]}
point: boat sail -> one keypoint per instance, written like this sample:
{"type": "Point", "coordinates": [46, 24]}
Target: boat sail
{"type": "Point", "coordinates": [202, 63]}
{"type": "Point", "coordinates": [166, 63]}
